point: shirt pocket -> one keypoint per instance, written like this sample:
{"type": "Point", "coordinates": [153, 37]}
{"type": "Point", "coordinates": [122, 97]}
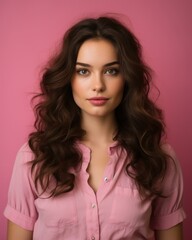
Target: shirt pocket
{"type": "Point", "coordinates": [59, 212]}
{"type": "Point", "coordinates": [129, 208]}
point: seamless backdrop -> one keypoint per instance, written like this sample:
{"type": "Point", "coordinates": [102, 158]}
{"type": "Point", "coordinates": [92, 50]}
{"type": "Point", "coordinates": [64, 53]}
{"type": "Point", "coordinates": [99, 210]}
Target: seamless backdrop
{"type": "Point", "coordinates": [29, 34]}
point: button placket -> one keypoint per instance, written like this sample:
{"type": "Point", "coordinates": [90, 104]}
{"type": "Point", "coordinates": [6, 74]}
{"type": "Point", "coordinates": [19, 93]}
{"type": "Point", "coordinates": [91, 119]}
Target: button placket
{"type": "Point", "coordinates": [92, 216]}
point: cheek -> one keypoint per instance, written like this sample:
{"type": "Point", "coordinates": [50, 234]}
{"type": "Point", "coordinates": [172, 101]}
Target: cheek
{"type": "Point", "coordinates": [78, 91]}
{"type": "Point", "coordinates": [78, 87]}
{"type": "Point", "coordinates": [119, 89]}
{"type": "Point", "coordinates": [76, 98]}
{"type": "Point", "coordinates": [74, 85]}
{"type": "Point", "coordinates": [74, 88]}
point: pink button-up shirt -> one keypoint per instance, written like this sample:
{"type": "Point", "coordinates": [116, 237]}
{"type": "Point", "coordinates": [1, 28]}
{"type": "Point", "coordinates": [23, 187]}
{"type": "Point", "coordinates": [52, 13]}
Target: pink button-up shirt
{"type": "Point", "coordinates": [115, 212]}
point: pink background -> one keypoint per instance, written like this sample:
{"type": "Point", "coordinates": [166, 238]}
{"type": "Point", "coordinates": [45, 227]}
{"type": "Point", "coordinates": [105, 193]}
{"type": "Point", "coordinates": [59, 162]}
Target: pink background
{"type": "Point", "coordinates": [30, 32]}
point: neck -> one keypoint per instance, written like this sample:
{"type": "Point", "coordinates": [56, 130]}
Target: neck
{"type": "Point", "coordinates": [100, 130]}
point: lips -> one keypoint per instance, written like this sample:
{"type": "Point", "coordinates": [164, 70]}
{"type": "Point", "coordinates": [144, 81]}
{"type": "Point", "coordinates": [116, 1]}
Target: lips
{"type": "Point", "coordinates": [98, 101]}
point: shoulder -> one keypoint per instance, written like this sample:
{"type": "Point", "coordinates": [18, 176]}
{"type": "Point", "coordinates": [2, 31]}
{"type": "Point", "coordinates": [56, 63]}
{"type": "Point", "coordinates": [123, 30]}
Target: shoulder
{"type": "Point", "coordinates": [24, 154]}
{"type": "Point", "coordinates": [168, 210]}
{"type": "Point", "coordinates": [169, 150]}
{"type": "Point", "coordinates": [173, 163]}
{"type": "Point", "coordinates": [173, 175]}
{"type": "Point", "coordinates": [25, 148]}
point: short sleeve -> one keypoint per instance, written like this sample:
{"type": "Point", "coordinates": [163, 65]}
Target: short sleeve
{"type": "Point", "coordinates": [168, 211]}
{"type": "Point", "coordinates": [20, 207]}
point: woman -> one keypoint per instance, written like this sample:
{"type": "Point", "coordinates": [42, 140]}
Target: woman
{"type": "Point", "coordinates": [97, 165]}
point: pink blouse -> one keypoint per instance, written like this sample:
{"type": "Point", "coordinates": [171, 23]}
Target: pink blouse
{"type": "Point", "coordinates": [115, 212]}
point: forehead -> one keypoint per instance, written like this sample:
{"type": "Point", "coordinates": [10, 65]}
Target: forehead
{"type": "Point", "coordinates": [97, 51]}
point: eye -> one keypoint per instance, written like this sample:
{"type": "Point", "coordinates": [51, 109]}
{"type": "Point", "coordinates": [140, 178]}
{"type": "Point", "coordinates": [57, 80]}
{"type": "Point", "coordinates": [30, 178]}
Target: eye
{"type": "Point", "coordinates": [112, 71]}
{"type": "Point", "coordinates": [82, 71]}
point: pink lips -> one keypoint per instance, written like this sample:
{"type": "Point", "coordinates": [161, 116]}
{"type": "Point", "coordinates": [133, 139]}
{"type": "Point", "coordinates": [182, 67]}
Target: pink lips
{"type": "Point", "coordinates": [98, 101]}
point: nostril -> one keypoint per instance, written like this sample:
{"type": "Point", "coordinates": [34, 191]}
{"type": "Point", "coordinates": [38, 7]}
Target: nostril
{"type": "Point", "coordinates": [99, 86]}
{"type": "Point", "coordinates": [98, 89]}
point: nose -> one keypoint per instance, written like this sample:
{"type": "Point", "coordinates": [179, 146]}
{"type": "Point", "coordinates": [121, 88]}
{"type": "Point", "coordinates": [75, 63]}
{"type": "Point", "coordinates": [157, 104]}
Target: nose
{"type": "Point", "coordinates": [98, 83]}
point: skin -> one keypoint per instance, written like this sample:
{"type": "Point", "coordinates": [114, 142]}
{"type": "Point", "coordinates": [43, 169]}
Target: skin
{"type": "Point", "coordinates": [175, 233]}
{"type": "Point", "coordinates": [15, 232]}
{"type": "Point", "coordinates": [97, 74]}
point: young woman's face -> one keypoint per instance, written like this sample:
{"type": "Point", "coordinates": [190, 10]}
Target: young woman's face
{"type": "Point", "coordinates": [97, 84]}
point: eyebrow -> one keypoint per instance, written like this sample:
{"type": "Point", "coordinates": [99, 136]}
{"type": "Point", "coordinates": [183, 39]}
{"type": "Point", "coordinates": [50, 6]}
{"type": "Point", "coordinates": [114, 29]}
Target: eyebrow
{"type": "Point", "coordinates": [106, 65]}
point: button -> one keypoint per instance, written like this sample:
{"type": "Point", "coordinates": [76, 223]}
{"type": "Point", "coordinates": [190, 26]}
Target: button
{"type": "Point", "coordinates": [93, 205]}
{"type": "Point", "coordinates": [92, 238]}
{"type": "Point", "coordinates": [105, 179]}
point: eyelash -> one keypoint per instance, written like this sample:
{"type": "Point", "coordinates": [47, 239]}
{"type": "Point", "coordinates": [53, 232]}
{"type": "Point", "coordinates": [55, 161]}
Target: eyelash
{"type": "Point", "coordinates": [111, 71]}
{"type": "Point", "coordinates": [79, 71]}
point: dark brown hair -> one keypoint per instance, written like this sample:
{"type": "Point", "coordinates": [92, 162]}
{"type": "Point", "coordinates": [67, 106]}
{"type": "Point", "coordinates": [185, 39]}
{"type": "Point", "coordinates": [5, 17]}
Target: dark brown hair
{"type": "Point", "coordinates": [58, 118]}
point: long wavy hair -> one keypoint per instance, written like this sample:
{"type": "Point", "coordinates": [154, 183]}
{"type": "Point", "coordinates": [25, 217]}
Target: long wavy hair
{"type": "Point", "coordinates": [58, 118]}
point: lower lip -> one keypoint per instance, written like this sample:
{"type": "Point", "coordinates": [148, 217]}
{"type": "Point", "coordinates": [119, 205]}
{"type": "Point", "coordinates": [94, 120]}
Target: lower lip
{"type": "Point", "coordinates": [99, 102]}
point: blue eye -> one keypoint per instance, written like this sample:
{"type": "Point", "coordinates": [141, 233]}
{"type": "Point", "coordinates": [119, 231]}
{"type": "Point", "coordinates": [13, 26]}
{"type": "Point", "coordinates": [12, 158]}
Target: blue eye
{"type": "Point", "coordinates": [82, 71]}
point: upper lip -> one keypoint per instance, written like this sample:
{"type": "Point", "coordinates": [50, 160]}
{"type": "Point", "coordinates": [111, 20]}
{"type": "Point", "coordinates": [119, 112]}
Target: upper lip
{"type": "Point", "coordinates": [98, 98]}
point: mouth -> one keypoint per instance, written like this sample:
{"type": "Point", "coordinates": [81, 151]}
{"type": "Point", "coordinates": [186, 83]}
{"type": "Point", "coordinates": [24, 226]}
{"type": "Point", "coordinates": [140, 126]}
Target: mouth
{"type": "Point", "coordinates": [98, 101]}
{"type": "Point", "coordinates": [98, 98]}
